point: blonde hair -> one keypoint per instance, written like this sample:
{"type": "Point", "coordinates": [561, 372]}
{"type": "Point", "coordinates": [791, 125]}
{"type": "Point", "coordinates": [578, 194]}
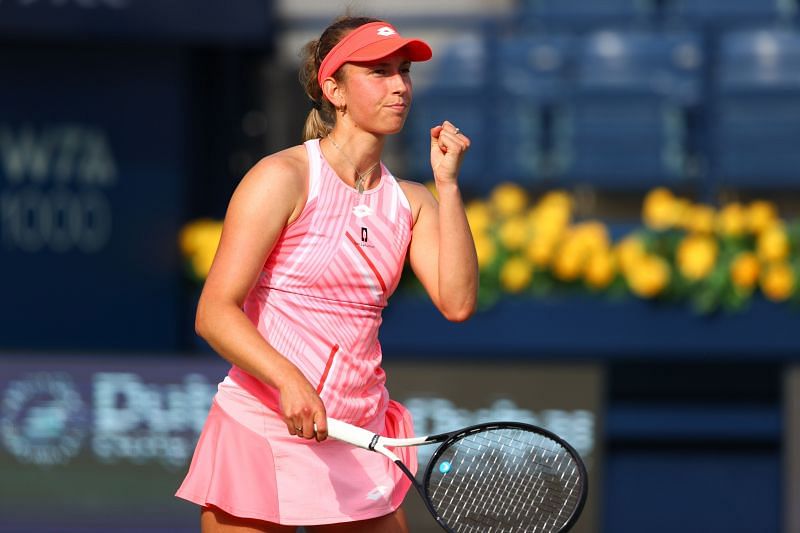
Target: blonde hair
{"type": "Point", "coordinates": [322, 117]}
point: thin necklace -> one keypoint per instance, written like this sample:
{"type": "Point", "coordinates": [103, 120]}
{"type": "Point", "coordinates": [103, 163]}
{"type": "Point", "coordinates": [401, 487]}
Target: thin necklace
{"type": "Point", "coordinates": [362, 176]}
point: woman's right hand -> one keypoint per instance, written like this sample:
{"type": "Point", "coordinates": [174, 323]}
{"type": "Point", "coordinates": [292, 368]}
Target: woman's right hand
{"type": "Point", "coordinates": [302, 408]}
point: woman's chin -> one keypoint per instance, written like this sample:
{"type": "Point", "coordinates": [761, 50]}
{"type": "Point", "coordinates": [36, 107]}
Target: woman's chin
{"type": "Point", "coordinates": [396, 127]}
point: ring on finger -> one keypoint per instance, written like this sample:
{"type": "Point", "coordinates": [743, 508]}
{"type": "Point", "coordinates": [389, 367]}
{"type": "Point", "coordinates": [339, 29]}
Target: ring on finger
{"type": "Point", "coordinates": [457, 131]}
{"type": "Point", "coordinates": [298, 429]}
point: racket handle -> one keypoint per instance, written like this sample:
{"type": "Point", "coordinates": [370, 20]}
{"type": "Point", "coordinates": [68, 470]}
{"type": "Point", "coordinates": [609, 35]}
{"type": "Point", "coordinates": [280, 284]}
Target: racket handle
{"type": "Point", "coordinates": [351, 434]}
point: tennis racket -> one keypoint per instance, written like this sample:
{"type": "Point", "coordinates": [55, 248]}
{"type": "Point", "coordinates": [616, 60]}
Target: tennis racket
{"type": "Point", "coordinates": [498, 477]}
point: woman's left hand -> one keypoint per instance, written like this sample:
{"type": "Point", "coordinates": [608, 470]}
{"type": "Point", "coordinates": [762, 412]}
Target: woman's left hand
{"type": "Point", "coordinates": [448, 146]}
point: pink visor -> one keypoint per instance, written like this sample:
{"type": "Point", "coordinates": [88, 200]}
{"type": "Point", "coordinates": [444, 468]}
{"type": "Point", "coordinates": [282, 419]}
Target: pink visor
{"type": "Point", "coordinates": [370, 42]}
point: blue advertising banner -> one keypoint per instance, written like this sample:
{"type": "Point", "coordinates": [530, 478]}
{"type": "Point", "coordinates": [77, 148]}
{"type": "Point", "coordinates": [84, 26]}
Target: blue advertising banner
{"type": "Point", "coordinates": [92, 171]}
{"type": "Point", "coordinates": [102, 443]}
{"type": "Point", "coordinates": [187, 21]}
{"type": "Point", "coordinates": [443, 396]}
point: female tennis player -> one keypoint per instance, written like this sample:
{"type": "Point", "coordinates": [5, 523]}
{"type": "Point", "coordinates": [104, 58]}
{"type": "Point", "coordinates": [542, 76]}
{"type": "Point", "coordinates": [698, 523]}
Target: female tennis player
{"type": "Point", "coordinates": [314, 242]}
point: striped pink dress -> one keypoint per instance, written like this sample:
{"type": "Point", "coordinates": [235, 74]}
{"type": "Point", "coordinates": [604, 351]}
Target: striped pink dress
{"type": "Point", "coordinates": [318, 302]}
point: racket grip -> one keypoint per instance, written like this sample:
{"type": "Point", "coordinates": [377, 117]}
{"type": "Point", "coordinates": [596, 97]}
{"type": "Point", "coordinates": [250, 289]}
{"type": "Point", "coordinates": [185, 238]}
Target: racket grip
{"type": "Point", "coordinates": [351, 434]}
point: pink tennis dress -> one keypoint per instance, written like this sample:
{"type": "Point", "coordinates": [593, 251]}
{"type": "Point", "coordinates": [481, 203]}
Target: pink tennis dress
{"type": "Point", "coordinates": [318, 302]}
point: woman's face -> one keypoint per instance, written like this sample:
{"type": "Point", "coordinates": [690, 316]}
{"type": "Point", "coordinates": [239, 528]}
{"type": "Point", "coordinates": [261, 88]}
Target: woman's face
{"type": "Point", "coordinates": [378, 93]}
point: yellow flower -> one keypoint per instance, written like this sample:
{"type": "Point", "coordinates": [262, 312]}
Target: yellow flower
{"type": "Point", "coordinates": [479, 216]}
{"type": "Point", "coordinates": [509, 199]}
{"type": "Point", "coordinates": [744, 270]}
{"type": "Point", "coordinates": [732, 220]}
{"type": "Point", "coordinates": [199, 233]}
{"type": "Point", "coordinates": [591, 235]}
{"type": "Point", "coordinates": [486, 249]}
{"type": "Point", "coordinates": [558, 199]}
{"type": "Point", "coordinates": [516, 275]}
{"type": "Point", "coordinates": [660, 210]}
{"type": "Point", "coordinates": [699, 218]}
{"type": "Point", "coordinates": [772, 244]}
{"type": "Point", "coordinates": [648, 276]}
{"type": "Point", "coordinates": [568, 262]}
{"type": "Point", "coordinates": [549, 220]}
{"type": "Point", "coordinates": [514, 233]}
{"type": "Point", "coordinates": [778, 281]}
{"type": "Point", "coordinates": [600, 269]}
{"type": "Point", "coordinates": [696, 256]}
{"type": "Point", "coordinates": [629, 252]}
{"type": "Point", "coordinates": [540, 251]}
{"type": "Point", "coordinates": [198, 242]}
{"type": "Point", "coordinates": [761, 215]}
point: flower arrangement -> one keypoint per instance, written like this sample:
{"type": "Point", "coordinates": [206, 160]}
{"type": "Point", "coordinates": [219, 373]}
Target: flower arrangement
{"type": "Point", "coordinates": [684, 252]}
{"type": "Point", "coordinates": [198, 242]}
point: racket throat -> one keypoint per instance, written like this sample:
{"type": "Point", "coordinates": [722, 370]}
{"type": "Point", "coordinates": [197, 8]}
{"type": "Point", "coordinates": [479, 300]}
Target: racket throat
{"type": "Point", "coordinates": [421, 493]}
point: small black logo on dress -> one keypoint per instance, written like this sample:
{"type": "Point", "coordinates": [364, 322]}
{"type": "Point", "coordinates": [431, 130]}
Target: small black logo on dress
{"type": "Point", "coordinates": [364, 235]}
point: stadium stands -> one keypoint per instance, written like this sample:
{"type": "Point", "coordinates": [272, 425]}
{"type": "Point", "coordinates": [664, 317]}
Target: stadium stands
{"type": "Point", "coordinates": [582, 13]}
{"type": "Point", "coordinates": [624, 124]}
{"type": "Point", "coordinates": [729, 12]}
{"type": "Point", "coordinates": [615, 95]}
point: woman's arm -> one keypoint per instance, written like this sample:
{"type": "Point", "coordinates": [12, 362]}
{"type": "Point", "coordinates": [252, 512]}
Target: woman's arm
{"type": "Point", "coordinates": [442, 252]}
{"type": "Point", "coordinates": [269, 197]}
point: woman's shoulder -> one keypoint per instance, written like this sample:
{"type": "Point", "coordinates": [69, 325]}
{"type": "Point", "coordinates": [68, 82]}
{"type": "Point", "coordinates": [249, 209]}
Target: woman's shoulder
{"type": "Point", "coordinates": [287, 169]}
{"type": "Point", "coordinates": [411, 187]}
{"type": "Point", "coordinates": [277, 178]}
{"type": "Point", "coordinates": [417, 194]}
{"type": "Point", "coordinates": [289, 164]}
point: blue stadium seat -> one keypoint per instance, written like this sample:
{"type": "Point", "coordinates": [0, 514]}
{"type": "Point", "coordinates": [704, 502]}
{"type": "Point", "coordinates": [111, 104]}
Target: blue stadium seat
{"type": "Point", "coordinates": [624, 125]}
{"type": "Point", "coordinates": [531, 74]}
{"type": "Point", "coordinates": [724, 12]}
{"type": "Point", "coordinates": [534, 66]}
{"type": "Point", "coordinates": [757, 115]}
{"type": "Point", "coordinates": [516, 143]}
{"type": "Point", "coordinates": [615, 142]}
{"type": "Point", "coordinates": [666, 64]}
{"type": "Point", "coordinates": [462, 64]}
{"type": "Point", "coordinates": [588, 13]}
{"type": "Point", "coordinates": [759, 59]}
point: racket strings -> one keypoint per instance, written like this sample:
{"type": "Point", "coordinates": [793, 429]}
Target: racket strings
{"type": "Point", "coordinates": [505, 479]}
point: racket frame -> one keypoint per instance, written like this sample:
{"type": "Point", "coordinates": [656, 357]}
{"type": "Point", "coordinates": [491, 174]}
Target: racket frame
{"type": "Point", "coordinates": [378, 443]}
{"type": "Point", "coordinates": [478, 428]}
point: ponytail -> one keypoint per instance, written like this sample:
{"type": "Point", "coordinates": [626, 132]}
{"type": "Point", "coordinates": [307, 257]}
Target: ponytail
{"type": "Point", "coordinates": [322, 117]}
{"type": "Point", "coordinates": [316, 127]}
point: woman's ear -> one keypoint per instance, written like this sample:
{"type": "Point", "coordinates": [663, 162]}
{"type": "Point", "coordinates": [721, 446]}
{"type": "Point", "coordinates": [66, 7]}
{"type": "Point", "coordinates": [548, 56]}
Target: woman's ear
{"type": "Point", "coordinates": [333, 92]}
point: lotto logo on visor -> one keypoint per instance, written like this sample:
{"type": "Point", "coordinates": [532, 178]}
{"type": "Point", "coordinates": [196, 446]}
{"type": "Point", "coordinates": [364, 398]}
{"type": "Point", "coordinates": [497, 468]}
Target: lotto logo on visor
{"type": "Point", "coordinates": [371, 42]}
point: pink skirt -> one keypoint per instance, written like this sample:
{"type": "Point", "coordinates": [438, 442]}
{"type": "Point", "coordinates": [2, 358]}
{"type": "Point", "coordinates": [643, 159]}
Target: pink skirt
{"type": "Point", "coordinates": [248, 465]}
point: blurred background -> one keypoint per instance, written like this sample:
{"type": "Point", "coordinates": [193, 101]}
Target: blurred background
{"type": "Point", "coordinates": [632, 188]}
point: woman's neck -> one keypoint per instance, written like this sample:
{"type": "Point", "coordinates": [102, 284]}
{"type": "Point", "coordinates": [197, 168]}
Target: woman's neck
{"type": "Point", "coordinates": [355, 155]}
